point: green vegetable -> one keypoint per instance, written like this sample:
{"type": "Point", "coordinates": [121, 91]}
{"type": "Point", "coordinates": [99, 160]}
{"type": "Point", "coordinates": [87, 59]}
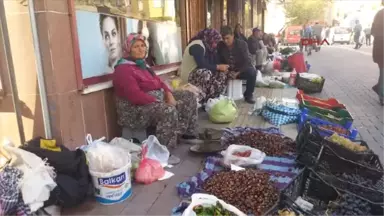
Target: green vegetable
{"type": "Point", "coordinates": [213, 210]}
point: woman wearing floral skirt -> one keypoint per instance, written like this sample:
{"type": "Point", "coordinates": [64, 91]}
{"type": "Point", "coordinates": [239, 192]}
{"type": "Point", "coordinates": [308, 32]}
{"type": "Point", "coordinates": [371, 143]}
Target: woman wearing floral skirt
{"type": "Point", "coordinates": [199, 66]}
{"type": "Point", "coordinates": [143, 100]}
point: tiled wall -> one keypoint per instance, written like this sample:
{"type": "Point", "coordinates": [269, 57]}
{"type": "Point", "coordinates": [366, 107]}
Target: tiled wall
{"type": "Point", "coordinates": [72, 115]}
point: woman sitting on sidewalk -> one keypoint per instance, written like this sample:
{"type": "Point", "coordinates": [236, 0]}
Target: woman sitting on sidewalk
{"type": "Point", "coordinates": [199, 66]}
{"type": "Point", "coordinates": [143, 100]}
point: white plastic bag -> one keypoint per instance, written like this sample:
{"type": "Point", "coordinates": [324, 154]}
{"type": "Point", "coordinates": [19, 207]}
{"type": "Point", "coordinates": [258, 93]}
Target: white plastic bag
{"type": "Point", "coordinates": [210, 103]}
{"type": "Point", "coordinates": [255, 158]}
{"type": "Point", "coordinates": [209, 200]}
{"type": "Point", "coordinates": [129, 147]}
{"type": "Point", "coordinates": [152, 149]}
{"type": "Point", "coordinates": [259, 80]}
{"type": "Point", "coordinates": [103, 157]}
{"type": "Point", "coordinates": [276, 84]}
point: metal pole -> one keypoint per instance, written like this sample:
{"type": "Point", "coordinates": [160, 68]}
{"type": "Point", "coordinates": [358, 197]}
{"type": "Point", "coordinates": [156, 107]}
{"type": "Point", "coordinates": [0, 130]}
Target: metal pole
{"type": "Point", "coordinates": [11, 71]}
{"type": "Point", "coordinates": [40, 74]}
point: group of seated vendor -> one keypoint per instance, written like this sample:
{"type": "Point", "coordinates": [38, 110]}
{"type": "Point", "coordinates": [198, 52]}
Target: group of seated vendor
{"type": "Point", "coordinates": [144, 100]}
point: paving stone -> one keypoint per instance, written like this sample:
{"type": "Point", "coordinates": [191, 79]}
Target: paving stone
{"type": "Point", "coordinates": [346, 83]}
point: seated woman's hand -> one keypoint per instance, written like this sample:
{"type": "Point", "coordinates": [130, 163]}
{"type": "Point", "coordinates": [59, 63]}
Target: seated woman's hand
{"type": "Point", "coordinates": [222, 67]}
{"type": "Point", "coordinates": [169, 99]}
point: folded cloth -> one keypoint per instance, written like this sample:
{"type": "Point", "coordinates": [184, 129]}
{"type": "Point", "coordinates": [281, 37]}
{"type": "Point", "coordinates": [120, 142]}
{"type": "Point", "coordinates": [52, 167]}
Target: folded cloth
{"type": "Point", "coordinates": [11, 201]}
{"type": "Point", "coordinates": [37, 181]}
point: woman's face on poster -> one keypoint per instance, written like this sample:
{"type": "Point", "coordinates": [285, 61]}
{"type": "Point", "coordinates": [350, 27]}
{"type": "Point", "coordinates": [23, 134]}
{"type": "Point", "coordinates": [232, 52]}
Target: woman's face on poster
{"type": "Point", "coordinates": [111, 39]}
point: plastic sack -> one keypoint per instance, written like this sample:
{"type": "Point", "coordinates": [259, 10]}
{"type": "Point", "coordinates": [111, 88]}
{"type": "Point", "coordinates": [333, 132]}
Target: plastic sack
{"type": "Point", "coordinates": [256, 157]}
{"type": "Point", "coordinates": [259, 80]}
{"type": "Point", "coordinates": [210, 103]}
{"type": "Point", "coordinates": [103, 157]}
{"type": "Point", "coordinates": [152, 149]}
{"type": "Point", "coordinates": [209, 200]}
{"type": "Point", "coordinates": [224, 111]}
{"type": "Point", "coordinates": [128, 146]}
{"type": "Point", "coordinates": [276, 84]}
{"type": "Point", "coordinates": [149, 171]}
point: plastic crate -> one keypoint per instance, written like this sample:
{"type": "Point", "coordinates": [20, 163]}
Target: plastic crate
{"type": "Point", "coordinates": [309, 143]}
{"type": "Point", "coordinates": [288, 196]}
{"type": "Point", "coordinates": [341, 117]}
{"type": "Point", "coordinates": [308, 86]}
{"type": "Point", "coordinates": [330, 103]}
{"type": "Point", "coordinates": [370, 168]}
{"type": "Point", "coordinates": [352, 133]}
{"type": "Point", "coordinates": [313, 188]}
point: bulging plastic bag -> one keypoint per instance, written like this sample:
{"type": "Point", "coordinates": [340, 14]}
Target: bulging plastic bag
{"type": "Point", "coordinates": [210, 103]}
{"type": "Point", "coordinates": [152, 149]}
{"type": "Point", "coordinates": [149, 171]}
{"type": "Point", "coordinates": [209, 200]}
{"type": "Point", "coordinates": [259, 80]}
{"type": "Point", "coordinates": [276, 84]}
{"type": "Point", "coordinates": [224, 111]}
{"type": "Point", "coordinates": [103, 157]}
{"type": "Point", "coordinates": [241, 155]}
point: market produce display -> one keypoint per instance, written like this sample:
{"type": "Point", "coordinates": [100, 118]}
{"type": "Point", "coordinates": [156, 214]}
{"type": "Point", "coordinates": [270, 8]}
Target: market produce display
{"type": "Point", "coordinates": [248, 190]}
{"type": "Point", "coordinates": [336, 129]}
{"type": "Point", "coordinates": [317, 80]}
{"type": "Point", "coordinates": [243, 154]}
{"type": "Point", "coordinates": [352, 205]}
{"type": "Point", "coordinates": [214, 210]}
{"type": "Point", "coordinates": [286, 212]}
{"type": "Point", "coordinates": [270, 144]}
{"type": "Point", "coordinates": [354, 178]}
{"type": "Point", "coordinates": [347, 143]}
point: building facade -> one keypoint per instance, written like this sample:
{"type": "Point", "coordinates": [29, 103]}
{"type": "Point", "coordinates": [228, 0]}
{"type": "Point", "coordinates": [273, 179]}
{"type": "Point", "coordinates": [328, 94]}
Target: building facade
{"type": "Point", "coordinates": [69, 93]}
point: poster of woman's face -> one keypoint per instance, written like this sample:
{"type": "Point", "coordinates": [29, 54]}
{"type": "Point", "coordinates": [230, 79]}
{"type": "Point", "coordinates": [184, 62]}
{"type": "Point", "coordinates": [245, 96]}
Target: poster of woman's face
{"type": "Point", "coordinates": [99, 43]}
{"type": "Point", "coordinates": [111, 38]}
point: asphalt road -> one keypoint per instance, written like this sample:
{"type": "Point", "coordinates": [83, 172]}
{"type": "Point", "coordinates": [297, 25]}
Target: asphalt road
{"type": "Point", "coordinates": [349, 75]}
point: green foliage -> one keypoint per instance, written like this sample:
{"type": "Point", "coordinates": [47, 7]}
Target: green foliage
{"type": "Point", "coordinates": [303, 11]}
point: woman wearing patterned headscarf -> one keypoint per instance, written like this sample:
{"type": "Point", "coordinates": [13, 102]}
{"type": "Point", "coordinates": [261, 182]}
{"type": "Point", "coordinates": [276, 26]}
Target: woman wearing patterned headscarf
{"type": "Point", "coordinates": [143, 100]}
{"type": "Point", "coordinates": [199, 66]}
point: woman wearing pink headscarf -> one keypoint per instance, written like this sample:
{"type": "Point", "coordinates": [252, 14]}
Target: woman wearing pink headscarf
{"type": "Point", "coordinates": [144, 100]}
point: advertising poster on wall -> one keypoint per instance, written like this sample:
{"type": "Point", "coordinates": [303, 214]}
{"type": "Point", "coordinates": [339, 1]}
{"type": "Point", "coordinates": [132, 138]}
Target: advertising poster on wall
{"type": "Point", "coordinates": [99, 43]}
{"type": "Point", "coordinates": [100, 37]}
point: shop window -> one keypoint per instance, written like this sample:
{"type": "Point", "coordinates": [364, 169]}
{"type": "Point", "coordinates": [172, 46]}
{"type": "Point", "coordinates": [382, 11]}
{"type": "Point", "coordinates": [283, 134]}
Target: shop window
{"type": "Point", "coordinates": [101, 31]}
{"type": "Point", "coordinates": [158, 3]}
{"type": "Point", "coordinates": [1, 87]}
{"type": "Point", "coordinates": [209, 13]}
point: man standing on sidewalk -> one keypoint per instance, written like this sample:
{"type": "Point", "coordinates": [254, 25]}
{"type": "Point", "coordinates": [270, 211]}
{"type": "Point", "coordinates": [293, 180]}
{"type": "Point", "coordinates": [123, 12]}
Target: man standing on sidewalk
{"type": "Point", "coordinates": [357, 33]}
{"type": "Point", "coordinates": [317, 31]}
{"type": "Point", "coordinates": [378, 52]}
{"type": "Point", "coordinates": [367, 32]}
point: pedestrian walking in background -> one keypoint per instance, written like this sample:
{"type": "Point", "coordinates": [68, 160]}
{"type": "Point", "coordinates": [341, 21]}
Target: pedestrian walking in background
{"type": "Point", "coordinates": [357, 33]}
{"type": "Point", "coordinates": [327, 33]}
{"type": "Point", "coordinates": [317, 32]}
{"type": "Point", "coordinates": [378, 52]}
{"type": "Point", "coordinates": [367, 32]}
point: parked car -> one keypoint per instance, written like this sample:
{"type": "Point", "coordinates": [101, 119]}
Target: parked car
{"type": "Point", "coordinates": [290, 35]}
{"type": "Point", "coordinates": [341, 35]}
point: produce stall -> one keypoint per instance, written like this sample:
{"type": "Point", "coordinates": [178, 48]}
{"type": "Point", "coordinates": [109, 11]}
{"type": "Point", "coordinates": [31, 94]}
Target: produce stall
{"type": "Point", "coordinates": [325, 171]}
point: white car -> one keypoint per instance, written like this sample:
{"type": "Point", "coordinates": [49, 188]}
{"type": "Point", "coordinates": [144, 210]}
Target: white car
{"type": "Point", "coordinates": [341, 35]}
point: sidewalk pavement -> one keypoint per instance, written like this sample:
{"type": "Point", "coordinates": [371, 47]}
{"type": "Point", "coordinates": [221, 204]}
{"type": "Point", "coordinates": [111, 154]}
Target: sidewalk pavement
{"type": "Point", "coordinates": [349, 75]}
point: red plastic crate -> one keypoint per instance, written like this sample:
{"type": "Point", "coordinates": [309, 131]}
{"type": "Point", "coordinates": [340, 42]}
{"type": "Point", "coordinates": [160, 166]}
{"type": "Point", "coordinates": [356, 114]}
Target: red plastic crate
{"type": "Point", "coordinates": [330, 103]}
